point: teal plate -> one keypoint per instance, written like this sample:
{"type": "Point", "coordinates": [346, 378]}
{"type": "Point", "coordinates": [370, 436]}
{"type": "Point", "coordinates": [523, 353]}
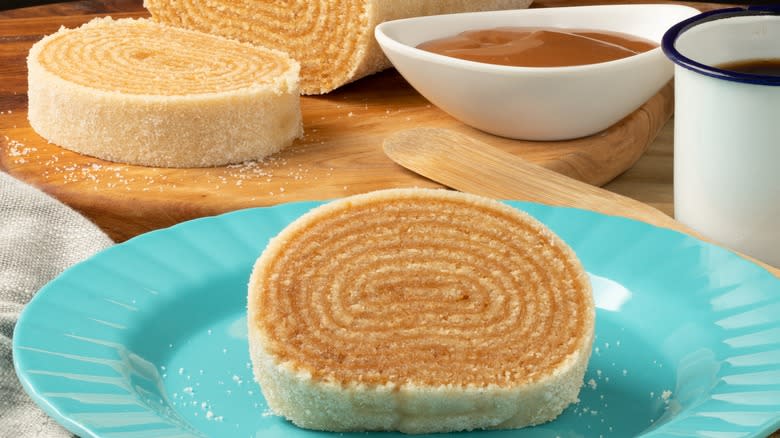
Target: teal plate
{"type": "Point", "coordinates": [148, 338]}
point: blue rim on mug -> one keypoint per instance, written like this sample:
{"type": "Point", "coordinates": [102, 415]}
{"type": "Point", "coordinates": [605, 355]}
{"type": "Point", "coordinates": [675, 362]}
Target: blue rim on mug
{"type": "Point", "coordinates": [671, 35]}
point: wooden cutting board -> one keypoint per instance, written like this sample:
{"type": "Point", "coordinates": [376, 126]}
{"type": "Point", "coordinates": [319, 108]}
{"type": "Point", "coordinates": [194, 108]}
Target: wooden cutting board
{"type": "Point", "coordinates": [341, 152]}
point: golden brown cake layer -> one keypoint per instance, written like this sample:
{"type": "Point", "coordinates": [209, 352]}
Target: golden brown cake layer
{"type": "Point", "coordinates": [139, 92]}
{"type": "Point", "coordinates": [140, 57]}
{"type": "Point", "coordinates": [332, 39]}
{"type": "Point", "coordinates": [418, 289]}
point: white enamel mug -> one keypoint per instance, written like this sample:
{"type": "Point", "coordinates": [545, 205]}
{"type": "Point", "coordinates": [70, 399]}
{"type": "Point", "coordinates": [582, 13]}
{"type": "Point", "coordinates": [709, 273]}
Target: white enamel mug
{"type": "Point", "coordinates": [727, 129]}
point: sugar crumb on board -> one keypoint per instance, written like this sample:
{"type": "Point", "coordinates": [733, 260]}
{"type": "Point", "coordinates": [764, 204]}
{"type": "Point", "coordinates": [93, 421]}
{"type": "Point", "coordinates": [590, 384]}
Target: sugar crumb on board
{"type": "Point", "coordinates": [19, 151]}
{"type": "Point", "coordinates": [58, 166]}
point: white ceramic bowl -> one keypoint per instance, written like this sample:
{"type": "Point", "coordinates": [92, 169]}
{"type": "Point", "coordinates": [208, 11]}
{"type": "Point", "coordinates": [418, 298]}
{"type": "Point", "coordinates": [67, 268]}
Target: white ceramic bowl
{"type": "Point", "coordinates": [535, 103]}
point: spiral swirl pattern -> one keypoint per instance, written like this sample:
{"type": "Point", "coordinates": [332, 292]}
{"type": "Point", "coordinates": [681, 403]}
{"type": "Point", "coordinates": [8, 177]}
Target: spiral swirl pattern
{"type": "Point", "coordinates": [142, 57]}
{"type": "Point", "coordinates": [295, 26]}
{"type": "Point", "coordinates": [423, 287]}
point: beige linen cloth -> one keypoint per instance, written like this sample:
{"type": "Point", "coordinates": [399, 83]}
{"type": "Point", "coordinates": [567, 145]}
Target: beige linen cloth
{"type": "Point", "coordinates": [39, 238]}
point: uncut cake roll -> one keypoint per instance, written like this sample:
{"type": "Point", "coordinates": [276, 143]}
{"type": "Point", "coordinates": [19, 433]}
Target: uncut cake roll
{"type": "Point", "coordinates": [139, 92]}
{"type": "Point", "coordinates": [332, 39]}
{"type": "Point", "coordinates": [420, 311]}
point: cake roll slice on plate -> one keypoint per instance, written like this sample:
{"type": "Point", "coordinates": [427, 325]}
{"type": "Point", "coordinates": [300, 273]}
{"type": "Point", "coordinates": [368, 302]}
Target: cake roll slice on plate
{"type": "Point", "coordinates": [419, 310]}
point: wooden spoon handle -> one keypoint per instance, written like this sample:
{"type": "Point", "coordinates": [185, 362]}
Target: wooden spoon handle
{"type": "Point", "coordinates": [465, 164]}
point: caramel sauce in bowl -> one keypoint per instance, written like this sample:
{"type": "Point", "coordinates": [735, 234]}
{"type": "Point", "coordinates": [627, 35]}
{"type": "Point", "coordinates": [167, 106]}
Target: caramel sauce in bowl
{"type": "Point", "coordinates": [537, 102]}
{"type": "Point", "coordinates": [539, 47]}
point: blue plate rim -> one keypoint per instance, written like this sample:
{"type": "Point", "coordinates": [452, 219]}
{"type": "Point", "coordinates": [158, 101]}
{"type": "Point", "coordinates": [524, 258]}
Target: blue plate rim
{"type": "Point", "coordinates": [74, 427]}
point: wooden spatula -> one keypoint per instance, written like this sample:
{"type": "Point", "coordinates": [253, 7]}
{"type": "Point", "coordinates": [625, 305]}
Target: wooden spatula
{"type": "Point", "coordinates": [468, 165]}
